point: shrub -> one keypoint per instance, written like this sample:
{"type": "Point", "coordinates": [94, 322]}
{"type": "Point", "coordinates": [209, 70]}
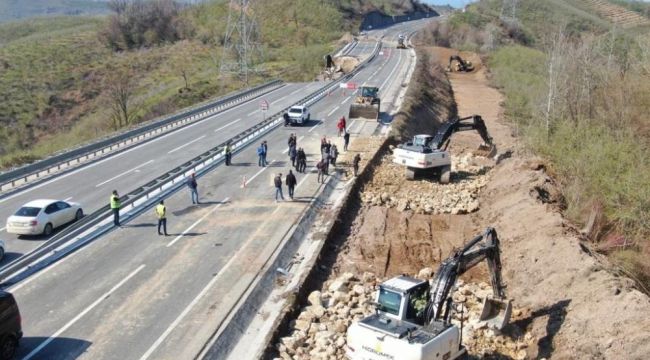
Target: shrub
{"type": "Point", "coordinates": [140, 23]}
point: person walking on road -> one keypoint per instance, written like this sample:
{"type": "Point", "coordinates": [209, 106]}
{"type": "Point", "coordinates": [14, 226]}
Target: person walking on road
{"type": "Point", "coordinates": [194, 188]}
{"type": "Point", "coordinates": [292, 141]}
{"type": "Point", "coordinates": [341, 125]}
{"type": "Point", "coordinates": [302, 160]}
{"type": "Point", "coordinates": [285, 116]}
{"type": "Point", "coordinates": [228, 154]}
{"type": "Point", "coordinates": [293, 154]}
{"type": "Point", "coordinates": [291, 183]}
{"type": "Point", "coordinates": [355, 164]}
{"type": "Point", "coordinates": [261, 155]}
{"type": "Point", "coordinates": [266, 151]}
{"type": "Point", "coordinates": [334, 153]}
{"type": "Point", "coordinates": [346, 140]}
{"type": "Point", "coordinates": [321, 171]}
{"type": "Point", "coordinates": [161, 213]}
{"type": "Point", "coordinates": [115, 207]}
{"type": "Point", "coordinates": [278, 187]}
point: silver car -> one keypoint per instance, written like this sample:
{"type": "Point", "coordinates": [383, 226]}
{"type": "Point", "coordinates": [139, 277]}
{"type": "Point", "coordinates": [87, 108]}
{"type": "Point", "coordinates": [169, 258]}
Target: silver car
{"type": "Point", "coordinates": [43, 216]}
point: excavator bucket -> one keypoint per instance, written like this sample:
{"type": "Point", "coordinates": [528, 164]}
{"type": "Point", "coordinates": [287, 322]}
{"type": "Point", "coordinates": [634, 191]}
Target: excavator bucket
{"type": "Point", "coordinates": [487, 151]}
{"type": "Point", "coordinates": [496, 313]}
{"type": "Point", "coordinates": [364, 111]}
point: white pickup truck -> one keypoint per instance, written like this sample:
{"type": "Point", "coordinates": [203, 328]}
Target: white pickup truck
{"type": "Point", "coordinates": [299, 115]}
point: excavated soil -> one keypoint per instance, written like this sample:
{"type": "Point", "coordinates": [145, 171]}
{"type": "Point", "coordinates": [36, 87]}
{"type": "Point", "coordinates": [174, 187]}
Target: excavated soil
{"type": "Point", "coordinates": [567, 302]}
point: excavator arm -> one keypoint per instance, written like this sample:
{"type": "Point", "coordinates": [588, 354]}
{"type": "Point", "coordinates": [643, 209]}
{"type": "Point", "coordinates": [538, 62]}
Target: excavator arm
{"type": "Point", "coordinates": [446, 130]}
{"type": "Point", "coordinates": [482, 247]}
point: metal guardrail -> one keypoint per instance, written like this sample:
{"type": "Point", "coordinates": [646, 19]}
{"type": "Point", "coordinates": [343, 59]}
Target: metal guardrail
{"type": "Point", "coordinates": [41, 169]}
{"type": "Point", "coordinates": [144, 196]}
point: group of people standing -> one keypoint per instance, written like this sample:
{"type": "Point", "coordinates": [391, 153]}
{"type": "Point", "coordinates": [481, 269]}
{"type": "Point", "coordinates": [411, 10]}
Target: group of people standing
{"type": "Point", "coordinates": [297, 155]}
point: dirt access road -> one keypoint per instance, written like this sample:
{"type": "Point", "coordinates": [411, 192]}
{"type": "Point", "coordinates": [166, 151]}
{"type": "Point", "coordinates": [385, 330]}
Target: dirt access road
{"type": "Point", "coordinates": [568, 304]}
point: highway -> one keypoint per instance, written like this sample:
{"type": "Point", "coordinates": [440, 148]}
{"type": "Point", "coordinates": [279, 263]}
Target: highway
{"type": "Point", "coordinates": [135, 295]}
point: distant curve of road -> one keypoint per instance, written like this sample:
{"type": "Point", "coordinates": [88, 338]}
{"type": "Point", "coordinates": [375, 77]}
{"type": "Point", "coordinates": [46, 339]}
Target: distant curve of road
{"type": "Point", "coordinates": [135, 295]}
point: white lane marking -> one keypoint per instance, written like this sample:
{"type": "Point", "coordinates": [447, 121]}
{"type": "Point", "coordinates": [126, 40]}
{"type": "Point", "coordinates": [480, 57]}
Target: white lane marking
{"type": "Point", "coordinates": [296, 91]}
{"type": "Point", "coordinates": [304, 178]}
{"type": "Point", "coordinates": [81, 314]}
{"type": "Point", "coordinates": [252, 113]}
{"type": "Point", "coordinates": [124, 173]}
{"type": "Point", "coordinates": [197, 222]}
{"type": "Point", "coordinates": [66, 199]}
{"type": "Point", "coordinates": [228, 124]}
{"type": "Point", "coordinates": [186, 144]}
{"type": "Point", "coordinates": [89, 166]}
{"type": "Point", "coordinates": [346, 100]}
{"type": "Point", "coordinates": [189, 307]}
{"type": "Point", "coordinates": [313, 127]}
{"type": "Point", "coordinates": [3, 229]}
{"type": "Point", "coordinates": [399, 61]}
{"type": "Point", "coordinates": [278, 100]}
{"type": "Point", "coordinates": [333, 110]}
{"type": "Point", "coordinates": [351, 125]}
{"type": "Point", "coordinates": [259, 172]}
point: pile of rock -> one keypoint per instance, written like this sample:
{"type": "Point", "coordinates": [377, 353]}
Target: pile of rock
{"type": "Point", "coordinates": [477, 337]}
{"type": "Point", "coordinates": [319, 331]}
{"type": "Point", "coordinates": [460, 196]}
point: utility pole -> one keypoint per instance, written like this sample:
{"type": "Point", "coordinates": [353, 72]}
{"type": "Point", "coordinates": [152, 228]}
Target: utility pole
{"type": "Point", "coordinates": [241, 49]}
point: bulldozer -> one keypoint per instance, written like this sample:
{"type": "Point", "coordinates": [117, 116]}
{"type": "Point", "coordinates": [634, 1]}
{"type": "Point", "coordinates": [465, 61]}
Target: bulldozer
{"type": "Point", "coordinates": [461, 65]}
{"type": "Point", "coordinates": [366, 104]}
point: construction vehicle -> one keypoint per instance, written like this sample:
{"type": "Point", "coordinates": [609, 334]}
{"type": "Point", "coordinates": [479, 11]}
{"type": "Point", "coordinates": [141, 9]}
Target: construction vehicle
{"type": "Point", "coordinates": [401, 39]}
{"type": "Point", "coordinates": [460, 64]}
{"type": "Point", "coordinates": [366, 105]}
{"type": "Point", "coordinates": [413, 317]}
{"type": "Point", "coordinates": [428, 154]}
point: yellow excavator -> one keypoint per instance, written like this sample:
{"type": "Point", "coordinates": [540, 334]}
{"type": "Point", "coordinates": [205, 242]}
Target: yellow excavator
{"type": "Point", "coordinates": [461, 65]}
{"type": "Point", "coordinates": [366, 104]}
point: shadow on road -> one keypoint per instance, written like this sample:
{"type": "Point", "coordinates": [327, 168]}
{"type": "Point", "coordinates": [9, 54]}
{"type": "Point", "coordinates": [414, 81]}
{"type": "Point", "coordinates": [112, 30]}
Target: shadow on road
{"type": "Point", "coordinates": [58, 348]}
{"type": "Point", "coordinates": [141, 225]}
{"type": "Point", "coordinates": [9, 257]}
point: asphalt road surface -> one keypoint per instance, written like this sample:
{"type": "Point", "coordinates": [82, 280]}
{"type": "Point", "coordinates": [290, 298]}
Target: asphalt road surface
{"type": "Point", "coordinates": [136, 295]}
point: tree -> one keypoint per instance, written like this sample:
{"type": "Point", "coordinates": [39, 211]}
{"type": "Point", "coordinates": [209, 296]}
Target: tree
{"type": "Point", "coordinates": [121, 90]}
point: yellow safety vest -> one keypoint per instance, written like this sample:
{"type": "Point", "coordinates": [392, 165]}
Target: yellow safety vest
{"type": "Point", "coordinates": [115, 202]}
{"type": "Point", "coordinates": [161, 211]}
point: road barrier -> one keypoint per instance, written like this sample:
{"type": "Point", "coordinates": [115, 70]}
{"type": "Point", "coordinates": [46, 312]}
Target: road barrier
{"type": "Point", "coordinates": [135, 202]}
{"type": "Point", "coordinates": [56, 164]}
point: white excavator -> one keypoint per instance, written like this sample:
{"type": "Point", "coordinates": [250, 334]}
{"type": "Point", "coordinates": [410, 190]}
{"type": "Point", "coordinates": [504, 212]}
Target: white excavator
{"type": "Point", "coordinates": [428, 154]}
{"type": "Point", "coordinates": [413, 317]}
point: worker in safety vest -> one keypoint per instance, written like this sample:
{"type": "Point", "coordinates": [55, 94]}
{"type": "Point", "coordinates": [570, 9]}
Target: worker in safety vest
{"type": "Point", "coordinates": [115, 207]}
{"type": "Point", "coordinates": [161, 213]}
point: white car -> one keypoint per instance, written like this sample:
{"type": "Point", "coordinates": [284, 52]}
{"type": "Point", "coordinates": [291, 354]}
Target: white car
{"type": "Point", "coordinates": [43, 216]}
{"type": "Point", "coordinates": [299, 115]}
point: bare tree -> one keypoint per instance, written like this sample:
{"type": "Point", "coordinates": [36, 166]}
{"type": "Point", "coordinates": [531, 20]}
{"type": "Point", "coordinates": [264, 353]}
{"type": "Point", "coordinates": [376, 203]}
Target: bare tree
{"type": "Point", "coordinates": [121, 89]}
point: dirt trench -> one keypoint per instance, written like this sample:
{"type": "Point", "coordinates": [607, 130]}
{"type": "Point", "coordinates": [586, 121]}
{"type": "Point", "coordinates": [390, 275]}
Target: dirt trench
{"type": "Point", "coordinates": [568, 304]}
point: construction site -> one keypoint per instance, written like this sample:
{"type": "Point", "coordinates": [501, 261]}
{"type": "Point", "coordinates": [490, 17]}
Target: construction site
{"type": "Point", "coordinates": [564, 301]}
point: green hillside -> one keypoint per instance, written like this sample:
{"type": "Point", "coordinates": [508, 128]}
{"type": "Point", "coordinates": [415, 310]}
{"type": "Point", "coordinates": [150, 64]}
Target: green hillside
{"type": "Point", "coordinates": [575, 75]}
{"type": "Point", "coordinates": [55, 72]}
